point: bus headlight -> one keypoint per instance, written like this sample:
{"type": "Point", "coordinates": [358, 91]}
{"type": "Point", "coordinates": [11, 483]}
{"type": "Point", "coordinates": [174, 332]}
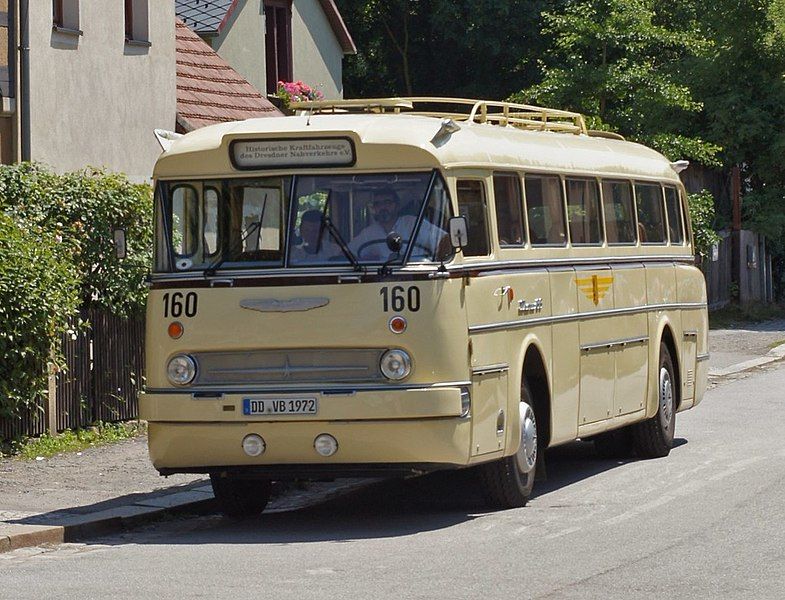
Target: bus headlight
{"type": "Point", "coordinates": [181, 369]}
{"type": "Point", "coordinates": [396, 365]}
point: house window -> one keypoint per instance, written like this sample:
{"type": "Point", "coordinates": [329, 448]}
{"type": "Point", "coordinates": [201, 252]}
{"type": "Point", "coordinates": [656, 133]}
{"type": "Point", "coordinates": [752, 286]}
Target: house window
{"type": "Point", "coordinates": [65, 15]}
{"type": "Point", "coordinates": [137, 22]}
{"type": "Point", "coordinates": [278, 42]}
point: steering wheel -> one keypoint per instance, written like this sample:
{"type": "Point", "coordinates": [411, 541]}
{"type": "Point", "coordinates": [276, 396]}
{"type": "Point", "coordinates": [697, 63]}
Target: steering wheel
{"type": "Point", "coordinates": [384, 241]}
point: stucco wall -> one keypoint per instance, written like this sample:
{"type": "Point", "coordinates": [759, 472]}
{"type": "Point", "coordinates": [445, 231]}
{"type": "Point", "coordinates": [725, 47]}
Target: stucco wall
{"type": "Point", "coordinates": [94, 99]}
{"type": "Point", "coordinates": [316, 54]}
{"type": "Point", "coordinates": [241, 43]}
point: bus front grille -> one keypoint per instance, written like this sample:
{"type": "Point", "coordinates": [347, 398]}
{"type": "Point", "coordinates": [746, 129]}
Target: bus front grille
{"type": "Point", "coordinates": [288, 366]}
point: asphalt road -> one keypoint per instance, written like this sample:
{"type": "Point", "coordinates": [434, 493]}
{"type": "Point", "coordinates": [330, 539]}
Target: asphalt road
{"type": "Point", "coordinates": [706, 522]}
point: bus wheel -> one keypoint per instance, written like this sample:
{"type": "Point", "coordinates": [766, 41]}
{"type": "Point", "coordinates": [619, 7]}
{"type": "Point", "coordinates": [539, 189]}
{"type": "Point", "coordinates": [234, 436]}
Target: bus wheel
{"type": "Point", "coordinates": [508, 482]}
{"type": "Point", "coordinates": [654, 437]}
{"type": "Point", "coordinates": [239, 498]}
{"type": "Point", "coordinates": [615, 444]}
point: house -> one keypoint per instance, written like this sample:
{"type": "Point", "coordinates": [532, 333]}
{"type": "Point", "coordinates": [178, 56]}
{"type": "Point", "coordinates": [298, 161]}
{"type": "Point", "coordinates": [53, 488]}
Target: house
{"type": "Point", "coordinates": [209, 91]}
{"type": "Point", "coordinates": [268, 41]}
{"type": "Point", "coordinates": [98, 78]}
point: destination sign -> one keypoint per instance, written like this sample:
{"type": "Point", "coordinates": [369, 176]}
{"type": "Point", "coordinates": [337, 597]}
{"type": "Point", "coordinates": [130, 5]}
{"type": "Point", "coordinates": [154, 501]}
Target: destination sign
{"type": "Point", "coordinates": [278, 154]}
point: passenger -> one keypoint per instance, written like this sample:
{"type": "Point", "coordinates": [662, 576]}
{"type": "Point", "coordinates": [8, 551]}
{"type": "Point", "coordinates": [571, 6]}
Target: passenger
{"type": "Point", "coordinates": [316, 246]}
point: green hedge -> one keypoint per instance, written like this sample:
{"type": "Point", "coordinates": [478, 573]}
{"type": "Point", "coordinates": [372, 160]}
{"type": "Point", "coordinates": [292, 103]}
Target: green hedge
{"type": "Point", "coordinates": [56, 256]}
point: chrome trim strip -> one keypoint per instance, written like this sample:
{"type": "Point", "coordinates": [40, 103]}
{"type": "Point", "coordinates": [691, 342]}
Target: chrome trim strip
{"type": "Point", "coordinates": [587, 315]}
{"type": "Point", "coordinates": [286, 370]}
{"type": "Point", "coordinates": [615, 343]}
{"type": "Point", "coordinates": [490, 369]}
{"type": "Point", "coordinates": [295, 389]}
{"type": "Point", "coordinates": [702, 357]}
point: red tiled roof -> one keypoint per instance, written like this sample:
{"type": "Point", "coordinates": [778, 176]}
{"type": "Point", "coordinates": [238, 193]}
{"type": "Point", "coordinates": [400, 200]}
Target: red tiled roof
{"type": "Point", "coordinates": [209, 91]}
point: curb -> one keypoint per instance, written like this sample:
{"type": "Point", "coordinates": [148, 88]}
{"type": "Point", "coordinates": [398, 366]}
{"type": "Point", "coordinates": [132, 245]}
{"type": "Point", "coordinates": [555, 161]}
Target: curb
{"type": "Point", "coordinates": [72, 527]}
{"type": "Point", "coordinates": [775, 354]}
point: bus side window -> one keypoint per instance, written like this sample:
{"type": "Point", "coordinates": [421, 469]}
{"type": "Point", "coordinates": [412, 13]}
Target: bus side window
{"type": "Point", "coordinates": [583, 211]}
{"type": "Point", "coordinates": [545, 209]}
{"type": "Point", "coordinates": [210, 209]}
{"type": "Point", "coordinates": [619, 215]}
{"type": "Point", "coordinates": [185, 220]}
{"type": "Point", "coordinates": [675, 223]}
{"type": "Point", "coordinates": [471, 204]}
{"type": "Point", "coordinates": [509, 209]}
{"type": "Point", "coordinates": [651, 217]}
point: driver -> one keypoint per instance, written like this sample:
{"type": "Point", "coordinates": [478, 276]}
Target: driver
{"type": "Point", "coordinates": [371, 242]}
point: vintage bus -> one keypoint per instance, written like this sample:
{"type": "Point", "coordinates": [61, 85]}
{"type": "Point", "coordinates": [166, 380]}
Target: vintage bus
{"type": "Point", "coordinates": [396, 286]}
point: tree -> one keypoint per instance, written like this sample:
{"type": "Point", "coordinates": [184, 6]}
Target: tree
{"type": "Point", "coordinates": [620, 62]}
{"type": "Point", "coordinates": [483, 48]}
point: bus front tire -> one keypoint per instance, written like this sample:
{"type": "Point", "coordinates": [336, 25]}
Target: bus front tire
{"type": "Point", "coordinates": [240, 498]}
{"type": "Point", "coordinates": [508, 482]}
{"type": "Point", "coordinates": [653, 438]}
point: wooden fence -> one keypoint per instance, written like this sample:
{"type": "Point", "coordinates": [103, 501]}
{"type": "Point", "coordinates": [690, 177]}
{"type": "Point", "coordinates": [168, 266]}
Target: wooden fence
{"type": "Point", "coordinates": [104, 371]}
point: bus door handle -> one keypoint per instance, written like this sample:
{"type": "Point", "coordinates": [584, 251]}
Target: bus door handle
{"type": "Point", "coordinates": [222, 283]}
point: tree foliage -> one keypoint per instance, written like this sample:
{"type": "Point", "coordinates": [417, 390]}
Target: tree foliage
{"type": "Point", "coordinates": [702, 216]}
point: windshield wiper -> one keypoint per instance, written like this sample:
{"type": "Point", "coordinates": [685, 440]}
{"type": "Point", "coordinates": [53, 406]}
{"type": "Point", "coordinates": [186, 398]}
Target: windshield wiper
{"type": "Point", "coordinates": [328, 224]}
{"type": "Point", "coordinates": [255, 226]}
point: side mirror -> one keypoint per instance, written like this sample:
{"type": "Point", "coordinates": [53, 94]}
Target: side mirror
{"type": "Point", "coordinates": [394, 242]}
{"type": "Point", "coordinates": [459, 232]}
{"type": "Point", "coordinates": [120, 247]}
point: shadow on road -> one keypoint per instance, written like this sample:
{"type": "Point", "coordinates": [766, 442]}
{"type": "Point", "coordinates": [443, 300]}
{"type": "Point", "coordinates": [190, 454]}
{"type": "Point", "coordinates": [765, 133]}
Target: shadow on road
{"type": "Point", "coordinates": [391, 508]}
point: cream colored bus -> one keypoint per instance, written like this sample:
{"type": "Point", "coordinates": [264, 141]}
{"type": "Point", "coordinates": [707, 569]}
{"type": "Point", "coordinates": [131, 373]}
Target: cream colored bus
{"type": "Point", "coordinates": [391, 287]}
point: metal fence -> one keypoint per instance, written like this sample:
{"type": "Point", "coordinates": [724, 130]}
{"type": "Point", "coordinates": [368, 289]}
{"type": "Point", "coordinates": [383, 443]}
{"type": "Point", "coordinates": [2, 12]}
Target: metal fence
{"type": "Point", "coordinates": [101, 380]}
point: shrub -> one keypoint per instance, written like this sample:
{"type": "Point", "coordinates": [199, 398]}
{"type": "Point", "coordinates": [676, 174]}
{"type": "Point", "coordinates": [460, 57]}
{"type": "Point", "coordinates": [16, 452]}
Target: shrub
{"type": "Point", "coordinates": [702, 216]}
{"type": "Point", "coordinates": [83, 208]}
{"type": "Point", "coordinates": [38, 296]}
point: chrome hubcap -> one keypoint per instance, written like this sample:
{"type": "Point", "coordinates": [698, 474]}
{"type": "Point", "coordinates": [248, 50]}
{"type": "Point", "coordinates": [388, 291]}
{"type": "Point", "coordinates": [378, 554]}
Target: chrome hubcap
{"type": "Point", "coordinates": [666, 398]}
{"type": "Point", "coordinates": [527, 453]}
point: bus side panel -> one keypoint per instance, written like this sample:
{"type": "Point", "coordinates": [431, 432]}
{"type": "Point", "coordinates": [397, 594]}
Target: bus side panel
{"type": "Point", "coordinates": [565, 372]}
{"type": "Point", "coordinates": [691, 287]}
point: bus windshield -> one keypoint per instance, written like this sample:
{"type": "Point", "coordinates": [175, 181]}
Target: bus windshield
{"type": "Point", "coordinates": [302, 221]}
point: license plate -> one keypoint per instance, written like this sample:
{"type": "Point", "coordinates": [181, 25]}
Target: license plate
{"type": "Point", "coordinates": [280, 406]}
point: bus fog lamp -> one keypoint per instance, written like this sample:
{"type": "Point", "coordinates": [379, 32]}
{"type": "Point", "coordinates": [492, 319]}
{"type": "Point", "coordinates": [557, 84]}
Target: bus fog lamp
{"type": "Point", "coordinates": [253, 445]}
{"type": "Point", "coordinates": [325, 445]}
{"type": "Point", "coordinates": [181, 370]}
{"type": "Point", "coordinates": [396, 365]}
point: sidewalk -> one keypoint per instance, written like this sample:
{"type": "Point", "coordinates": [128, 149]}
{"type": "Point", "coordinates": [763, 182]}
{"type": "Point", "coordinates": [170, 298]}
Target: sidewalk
{"type": "Point", "coordinates": [110, 488]}
{"type": "Point", "coordinates": [751, 345]}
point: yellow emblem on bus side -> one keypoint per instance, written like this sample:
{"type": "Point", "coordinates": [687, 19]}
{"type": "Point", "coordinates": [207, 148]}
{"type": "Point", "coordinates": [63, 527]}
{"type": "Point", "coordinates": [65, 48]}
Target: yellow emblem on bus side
{"type": "Point", "coordinates": [595, 287]}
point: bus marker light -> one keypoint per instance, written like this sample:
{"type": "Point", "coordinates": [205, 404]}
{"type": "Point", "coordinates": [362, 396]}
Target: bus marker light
{"type": "Point", "coordinates": [253, 445]}
{"type": "Point", "coordinates": [175, 330]}
{"type": "Point", "coordinates": [325, 445]}
{"type": "Point", "coordinates": [398, 324]}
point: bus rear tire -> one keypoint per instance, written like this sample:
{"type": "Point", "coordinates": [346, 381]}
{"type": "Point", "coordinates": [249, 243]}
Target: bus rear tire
{"type": "Point", "coordinates": [654, 437]}
{"type": "Point", "coordinates": [240, 498]}
{"type": "Point", "coordinates": [508, 482]}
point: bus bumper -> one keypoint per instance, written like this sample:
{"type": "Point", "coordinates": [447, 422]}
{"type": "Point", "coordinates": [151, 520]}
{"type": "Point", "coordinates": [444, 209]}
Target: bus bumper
{"type": "Point", "coordinates": [411, 430]}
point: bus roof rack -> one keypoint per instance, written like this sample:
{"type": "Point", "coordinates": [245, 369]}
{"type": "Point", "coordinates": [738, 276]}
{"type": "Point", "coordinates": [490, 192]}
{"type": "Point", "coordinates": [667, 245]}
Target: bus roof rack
{"type": "Point", "coordinates": [505, 114]}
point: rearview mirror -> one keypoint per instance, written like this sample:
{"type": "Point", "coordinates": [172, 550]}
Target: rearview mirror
{"type": "Point", "coordinates": [120, 247]}
{"type": "Point", "coordinates": [459, 232]}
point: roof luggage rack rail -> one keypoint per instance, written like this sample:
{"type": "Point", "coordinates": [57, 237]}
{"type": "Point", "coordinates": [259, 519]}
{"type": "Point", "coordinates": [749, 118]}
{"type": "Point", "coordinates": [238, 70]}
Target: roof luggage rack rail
{"type": "Point", "coordinates": [505, 114]}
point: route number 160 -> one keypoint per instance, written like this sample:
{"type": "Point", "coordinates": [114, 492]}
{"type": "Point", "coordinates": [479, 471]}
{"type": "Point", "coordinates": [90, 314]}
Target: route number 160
{"type": "Point", "coordinates": [399, 298]}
